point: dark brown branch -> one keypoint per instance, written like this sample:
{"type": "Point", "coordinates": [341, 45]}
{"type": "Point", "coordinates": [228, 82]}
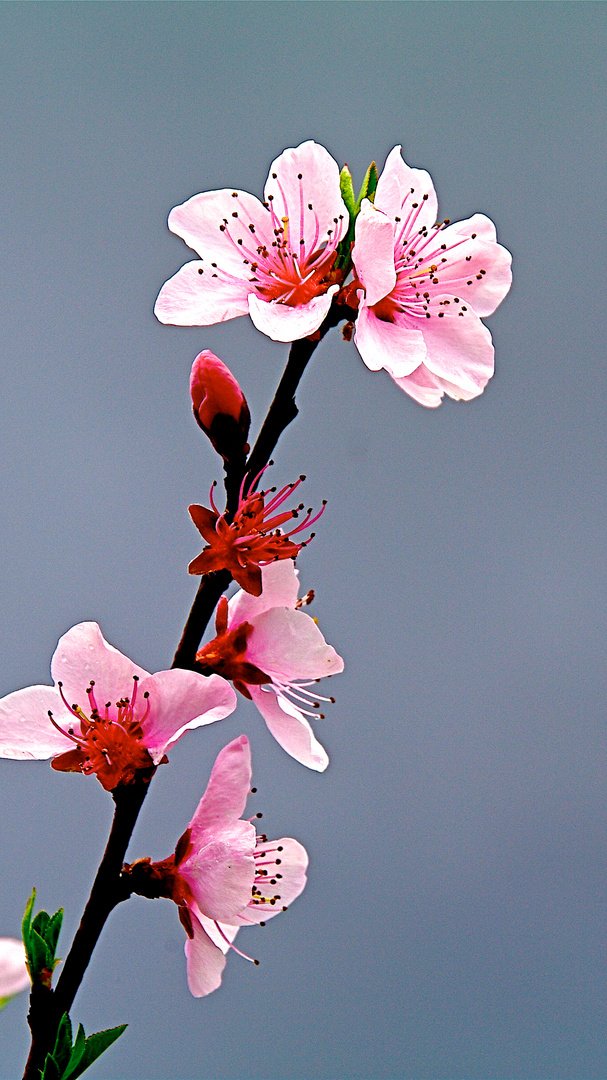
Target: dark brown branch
{"type": "Point", "coordinates": [47, 1009]}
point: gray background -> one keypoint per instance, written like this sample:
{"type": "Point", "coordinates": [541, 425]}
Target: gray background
{"type": "Point", "coordinates": [455, 921]}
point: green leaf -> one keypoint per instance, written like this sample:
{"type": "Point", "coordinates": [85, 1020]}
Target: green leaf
{"type": "Point", "coordinates": [53, 930]}
{"type": "Point", "coordinates": [77, 1052]}
{"type": "Point", "coordinates": [51, 1069]}
{"type": "Point", "coordinates": [38, 955]}
{"type": "Point", "coordinates": [347, 190]}
{"type": "Point", "coordinates": [40, 923]}
{"type": "Point", "coordinates": [27, 918]}
{"type": "Point", "coordinates": [40, 936]}
{"type": "Point", "coordinates": [5, 1000]}
{"type": "Point", "coordinates": [368, 189]}
{"type": "Point", "coordinates": [63, 1044]}
{"type": "Point", "coordinates": [94, 1047]}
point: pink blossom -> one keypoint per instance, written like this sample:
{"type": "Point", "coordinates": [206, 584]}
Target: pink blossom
{"type": "Point", "coordinates": [253, 538]}
{"type": "Point", "coordinates": [272, 260]}
{"type": "Point", "coordinates": [223, 876]}
{"type": "Point", "coordinates": [14, 975]}
{"type": "Point", "coordinates": [274, 652]}
{"type": "Point", "coordinates": [105, 714]}
{"type": "Point", "coordinates": [425, 288]}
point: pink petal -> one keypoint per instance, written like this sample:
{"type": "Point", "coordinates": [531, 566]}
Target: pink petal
{"type": "Point", "coordinates": [13, 972]}
{"type": "Point", "coordinates": [179, 701]}
{"type": "Point", "coordinates": [279, 588]}
{"type": "Point", "coordinates": [25, 729]}
{"type": "Point", "coordinates": [205, 961]}
{"type": "Point", "coordinates": [396, 346]}
{"type": "Point", "coordinates": [292, 868]}
{"type": "Point", "coordinates": [220, 870]}
{"type": "Point", "coordinates": [373, 253]}
{"type": "Point", "coordinates": [423, 387]}
{"type": "Point", "coordinates": [300, 176]}
{"type": "Point", "coordinates": [218, 931]}
{"type": "Point", "coordinates": [199, 222]}
{"type": "Point", "coordinates": [194, 297]}
{"type": "Point", "coordinates": [283, 322]}
{"type": "Point", "coordinates": [288, 645]}
{"type": "Point", "coordinates": [459, 347]}
{"type": "Point", "coordinates": [229, 785]}
{"type": "Point", "coordinates": [462, 277]}
{"type": "Point", "coordinates": [290, 729]}
{"type": "Point", "coordinates": [395, 198]}
{"type": "Point", "coordinates": [83, 655]}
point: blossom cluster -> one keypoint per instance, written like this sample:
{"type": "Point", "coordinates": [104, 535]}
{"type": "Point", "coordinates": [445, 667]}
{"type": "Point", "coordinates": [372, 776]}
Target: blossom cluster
{"type": "Point", "coordinates": [412, 291]}
{"type": "Point", "coordinates": [419, 286]}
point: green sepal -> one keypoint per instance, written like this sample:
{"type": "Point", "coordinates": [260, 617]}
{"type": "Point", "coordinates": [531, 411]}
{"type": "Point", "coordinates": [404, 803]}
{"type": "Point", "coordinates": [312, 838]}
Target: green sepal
{"type": "Point", "coordinates": [369, 187]}
{"type": "Point", "coordinates": [347, 190]}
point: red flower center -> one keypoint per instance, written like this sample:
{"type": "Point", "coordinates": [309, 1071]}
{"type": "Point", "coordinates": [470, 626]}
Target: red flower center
{"type": "Point", "coordinates": [109, 745]}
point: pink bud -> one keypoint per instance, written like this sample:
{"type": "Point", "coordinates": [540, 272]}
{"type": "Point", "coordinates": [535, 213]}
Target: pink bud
{"type": "Point", "coordinates": [219, 404]}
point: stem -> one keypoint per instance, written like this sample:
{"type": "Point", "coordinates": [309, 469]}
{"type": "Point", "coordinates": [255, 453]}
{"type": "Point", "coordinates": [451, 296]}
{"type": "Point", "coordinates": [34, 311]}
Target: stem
{"type": "Point", "coordinates": [107, 891]}
{"type": "Point", "coordinates": [281, 413]}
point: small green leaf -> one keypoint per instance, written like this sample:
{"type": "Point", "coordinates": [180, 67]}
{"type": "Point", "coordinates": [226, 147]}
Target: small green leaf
{"type": "Point", "coordinates": [77, 1052]}
{"type": "Point", "coordinates": [95, 1046]}
{"type": "Point", "coordinates": [51, 1070]}
{"type": "Point", "coordinates": [368, 189]}
{"type": "Point", "coordinates": [347, 189]}
{"type": "Point", "coordinates": [40, 923]}
{"type": "Point", "coordinates": [53, 930]}
{"type": "Point", "coordinates": [27, 918]}
{"type": "Point", "coordinates": [5, 1000]}
{"type": "Point", "coordinates": [63, 1043]}
{"type": "Point", "coordinates": [38, 955]}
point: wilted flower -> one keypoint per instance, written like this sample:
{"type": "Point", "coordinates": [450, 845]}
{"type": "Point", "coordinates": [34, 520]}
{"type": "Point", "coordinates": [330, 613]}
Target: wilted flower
{"type": "Point", "coordinates": [105, 714]}
{"type": "Point", "coordinates": [273, 652]}
{"type": "Point", "coordinates": [14, 975]}
{"type": "Point", "coordinates": [222, 875]}
{"type": "Point", "coordinates": [425, 288]}
{"type": "Point", "coordinates": [252, 539]}
{"type": "Point", "coordinates": [272, 260]}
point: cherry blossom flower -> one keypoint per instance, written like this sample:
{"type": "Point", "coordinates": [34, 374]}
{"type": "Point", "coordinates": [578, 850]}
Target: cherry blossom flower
{"type": "Point", "coordinates": [223, 876]}
{"type": "Point", "coordinates": [425, 288]}
{"type": "Point", "coordinates": [273, 652]}
{"type": "Point", "coordinates": [272, 260]}
{"type": "Point", "coordinates": [105, 714]}
{"type": "Point", "coordinates": [14, 975]}
{"type": "Point", "coordinates": [252, 539]}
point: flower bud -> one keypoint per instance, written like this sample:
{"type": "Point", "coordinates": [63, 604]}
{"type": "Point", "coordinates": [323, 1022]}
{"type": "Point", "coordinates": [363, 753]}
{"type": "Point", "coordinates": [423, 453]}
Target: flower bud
{"type": "Point", "coordinates": [220, 406]}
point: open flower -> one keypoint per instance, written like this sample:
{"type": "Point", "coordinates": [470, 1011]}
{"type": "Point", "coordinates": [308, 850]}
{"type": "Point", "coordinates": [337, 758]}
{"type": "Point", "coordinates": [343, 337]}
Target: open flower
{"type": "Point", "coordinates": [252, 539]}
{"type": "Point", "coordinates": [14, 975]}
{"type": "Point", "coordinates": [272, 260]}
{"type": "Point", "coordinates": [222, 875]}
{"type": "Point", "coordinates": [273, 652]}
{"type": "Point", "coordinates": [425, 288]}
{"type": "Point", "coordinates": [105, 714]}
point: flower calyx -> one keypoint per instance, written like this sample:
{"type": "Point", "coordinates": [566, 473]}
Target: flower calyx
{"type": "Point", "coordinates": [225, 654]}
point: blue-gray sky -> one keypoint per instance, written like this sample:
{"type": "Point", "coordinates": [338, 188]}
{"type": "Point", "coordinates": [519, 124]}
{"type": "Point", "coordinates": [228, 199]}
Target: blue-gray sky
{"type": "Point", "coordinates": [454, 927]}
